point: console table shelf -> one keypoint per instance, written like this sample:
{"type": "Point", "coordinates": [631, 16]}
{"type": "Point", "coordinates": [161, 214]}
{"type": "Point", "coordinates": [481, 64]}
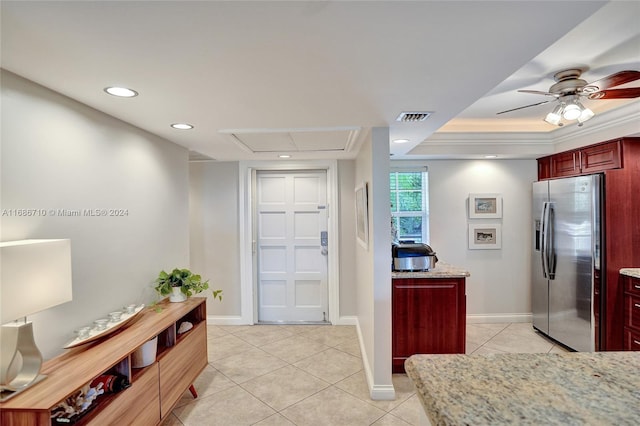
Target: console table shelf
{"type": "Point", "coordinates": [154, 389]}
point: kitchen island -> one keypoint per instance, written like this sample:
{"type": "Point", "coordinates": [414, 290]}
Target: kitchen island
{"type": "Point", "coordinates": [574, 388]}
{"type": "Point", "coordinates": [428, 313]}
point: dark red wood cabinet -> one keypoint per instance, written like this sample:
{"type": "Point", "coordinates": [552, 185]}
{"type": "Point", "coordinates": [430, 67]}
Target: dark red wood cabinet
{"type": "Point", "coordinates": [587, 160]}
{"type": "Point", "coordinates": [631, 287]}
{"type": "Point", "coordinates": [429, 317]}
{"type": "Point", "coordinates": [619, 162]}
{"type": "Point", "coordinates": [565, 164]}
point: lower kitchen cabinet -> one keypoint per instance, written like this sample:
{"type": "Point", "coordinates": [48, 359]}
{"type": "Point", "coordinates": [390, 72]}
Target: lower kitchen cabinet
{"type": "Point", "coordinates": [631, 313]}
{"type": "Point", "coordinates": [429, 317]}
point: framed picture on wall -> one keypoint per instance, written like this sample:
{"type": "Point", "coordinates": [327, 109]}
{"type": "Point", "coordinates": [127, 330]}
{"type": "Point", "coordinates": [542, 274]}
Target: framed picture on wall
{"type": "Point", "coordinates": [488, 206]}
{"type": "Point", "coordinates": [362, 215]}
{"type": "Point", "coordinates": [485, 236]}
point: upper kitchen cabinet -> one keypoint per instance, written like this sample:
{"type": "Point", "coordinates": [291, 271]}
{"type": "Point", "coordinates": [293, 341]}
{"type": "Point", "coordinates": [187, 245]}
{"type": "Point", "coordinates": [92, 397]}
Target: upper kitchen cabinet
{"type": "Point", "coordinates": [589, 159]}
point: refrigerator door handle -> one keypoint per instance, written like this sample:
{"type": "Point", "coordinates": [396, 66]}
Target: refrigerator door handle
{"type": "Point", "coordinates": [543, 239]}
{"type": "Point", "coordinates": [551, 246]}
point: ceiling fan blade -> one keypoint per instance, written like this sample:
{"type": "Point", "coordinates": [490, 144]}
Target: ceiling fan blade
{"type": "Point", "coordinates": [522, 107]}
{"type": "Point", "coordinates": [538, 92]}
{"type": "Point", "coordinates": [632, 92]}
{"type": "Point", "coordinates": [612, 80]}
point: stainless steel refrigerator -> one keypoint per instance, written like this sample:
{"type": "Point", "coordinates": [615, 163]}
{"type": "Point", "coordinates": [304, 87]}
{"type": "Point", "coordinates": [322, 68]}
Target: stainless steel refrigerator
{"type": "Point", "coordinates": [566, 259]}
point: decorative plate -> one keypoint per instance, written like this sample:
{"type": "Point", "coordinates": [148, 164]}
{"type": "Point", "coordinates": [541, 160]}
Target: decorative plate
{"type": "Point", "coordinates": [111, 327]}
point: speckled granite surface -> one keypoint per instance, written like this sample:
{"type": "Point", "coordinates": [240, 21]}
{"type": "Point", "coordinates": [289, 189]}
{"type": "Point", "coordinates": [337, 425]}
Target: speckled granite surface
{"type": "Point", "coordinates": [631, 272]}
{"type": "Point", "coordinates": [574, 388]}
{"type": "Point", "coordinates": [442, 270]}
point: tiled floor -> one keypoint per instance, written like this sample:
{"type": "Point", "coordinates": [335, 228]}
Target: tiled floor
{"type": "Point", "coordinates": [303, 375]}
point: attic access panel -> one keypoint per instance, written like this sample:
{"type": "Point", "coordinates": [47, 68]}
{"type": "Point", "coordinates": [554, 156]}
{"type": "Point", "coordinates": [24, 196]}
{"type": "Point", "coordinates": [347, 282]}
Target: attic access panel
{"type": "Point", "coordinates": [303, 140]}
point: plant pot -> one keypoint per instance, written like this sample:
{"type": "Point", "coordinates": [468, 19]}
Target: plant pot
{"type": "Point", "coordinates": [145, 355]}
{"type": "Point", "coordinates": [177, 295]}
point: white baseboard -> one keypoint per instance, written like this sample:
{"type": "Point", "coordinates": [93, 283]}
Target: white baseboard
{"type": "Point", "coordinates": [498, 318]}
{"type": "Point", "coordinates": [225, 320]}
{"type": "Point", "coordinates": [376, 392]}
{"type": "Point", "coordinates": [347, 320]}
{"type": "Point", "coordinates": [383, 393]}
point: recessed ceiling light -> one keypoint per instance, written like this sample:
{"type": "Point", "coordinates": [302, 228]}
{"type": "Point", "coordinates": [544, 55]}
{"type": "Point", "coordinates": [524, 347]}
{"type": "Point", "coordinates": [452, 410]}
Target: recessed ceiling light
{"type": "Point", "coordinates": [284, 156]}
{"type": "Point", "coordinates": [491, 156]}
{"type": "Point", "coordinates": [182, 126]}
{"type": "Point", "coordinates": [401, 140]}
{"type": "Point", "coordinates": [121, 92]}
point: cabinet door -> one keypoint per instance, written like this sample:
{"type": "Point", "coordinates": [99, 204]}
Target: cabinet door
{"type": "Point", "coordinates": [601, 157]}
{"type": "Point", "coordinates": [544, 168]}
{"type": "Point", "coordinates": [565, 164]}
{"type": "Point", "coordinates": [180, 365]}
{"type": "Point", "coordinates": [631, 340]}
{"type": "Point", "coordinates": [428, 318]}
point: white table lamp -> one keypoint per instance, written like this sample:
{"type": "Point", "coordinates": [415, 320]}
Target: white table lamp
{"type": "Point", "coordinates": [36, 275]}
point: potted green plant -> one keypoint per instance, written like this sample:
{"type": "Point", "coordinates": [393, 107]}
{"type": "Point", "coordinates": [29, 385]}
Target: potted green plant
{"type": "Point", "coordinates": [182, 283]}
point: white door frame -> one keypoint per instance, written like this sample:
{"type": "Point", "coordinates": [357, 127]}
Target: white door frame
{"type": "Point", "coordinates": [246, 187]}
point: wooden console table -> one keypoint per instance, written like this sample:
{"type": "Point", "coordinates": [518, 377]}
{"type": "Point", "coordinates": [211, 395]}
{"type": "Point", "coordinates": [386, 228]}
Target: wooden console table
{"type": "Point", "coordinates": [154, 389]}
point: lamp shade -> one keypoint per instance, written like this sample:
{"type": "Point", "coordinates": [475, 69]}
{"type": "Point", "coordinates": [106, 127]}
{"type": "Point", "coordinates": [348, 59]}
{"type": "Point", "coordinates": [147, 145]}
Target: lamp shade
{"type": "Point", "coordinates": [36, 275]}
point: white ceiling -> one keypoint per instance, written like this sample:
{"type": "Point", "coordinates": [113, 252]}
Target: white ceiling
{"type": "Point", "coordinates": [311, 78]}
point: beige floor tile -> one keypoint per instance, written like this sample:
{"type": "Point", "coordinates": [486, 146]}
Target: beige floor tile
{"type": "Point", "coordinates": [484, 350]}
{"type": "Point", "coordinates": [210, 381]}
{"type": "Point", "coordinates": [557, 349]}
{"type": "Point", "coordinates": [351, 346]}
{"type": "Point", "coordinates": [299, 328]}
{"type": "Point", "coordinates": [275, 420]}
{"type": "Point", "coordinates": [312, 375]}
{"type": "Point", "coordinates": [215, 331]}
{"type": "Point", "coordinates": [284, 387]}
{"type": "Point", "coordinates": [332, 335]}
{"type": "Point", "coordinates": [409, 411]}
{"type": "Point", "coordinates": [524, 328]}
{"type": "Point", "coordinates": [480, 333]}
{"type": "Point", "coordinates": [332, 407]}
{"type": "Point", "coordinates": [331, 365]}
{"type": "Point", "coordinates": [295, 348]}
{"type": "Point", "coordinates": [224, 346]}
{"type": "Point", "coordinates": [248, 365]}
{"type": "Point", "coordinates": [234, 328]}
{"type": "Point", "coordinates": [233, 406]}
{"type": "Point", "coordinates": [263, 335]}
{"type": "Point", "coordinates": [356, 385]}
{"type": "Point", "coordinates": [391, 420]}
{"type": "Point", "coordinates": [517, 342]}
{"type": "Point", "coordinates": [470, 346]}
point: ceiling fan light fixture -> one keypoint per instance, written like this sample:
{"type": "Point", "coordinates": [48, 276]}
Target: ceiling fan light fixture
{"type": "Point", "coordinates": [585, 115]}
{"type": "Point", "coordinates": [572, 111]}
{"type": "Point", "coordinates": [554, 116]}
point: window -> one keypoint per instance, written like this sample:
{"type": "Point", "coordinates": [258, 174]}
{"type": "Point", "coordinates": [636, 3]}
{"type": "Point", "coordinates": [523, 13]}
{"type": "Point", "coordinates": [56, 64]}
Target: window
{"type": "Point", "coordinates": [409, 205]}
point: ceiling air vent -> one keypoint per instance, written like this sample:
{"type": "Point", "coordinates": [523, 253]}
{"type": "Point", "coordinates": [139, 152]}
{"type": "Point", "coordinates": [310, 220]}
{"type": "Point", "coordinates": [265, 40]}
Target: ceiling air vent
{"type": "Point", "coordinates": [413, 116]}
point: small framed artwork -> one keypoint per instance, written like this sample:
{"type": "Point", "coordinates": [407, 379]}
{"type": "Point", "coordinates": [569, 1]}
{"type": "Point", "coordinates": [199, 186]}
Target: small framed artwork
{"type": "Point", "coordinates": [485, 236]}
{"type": "Point", "coordinates": [362, 215]}
{"type": "Point", "coordinates": [487, 206]}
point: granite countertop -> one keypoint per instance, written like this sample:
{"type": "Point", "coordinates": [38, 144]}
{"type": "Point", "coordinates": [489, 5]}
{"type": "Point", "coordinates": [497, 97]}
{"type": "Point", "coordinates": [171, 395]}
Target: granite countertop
{"type": "Point", "coordinates": [573, 388]}
{"type": "Point", "coordinates": [442, 270]}
{"type": "Point", "coordinates": [631, 272]}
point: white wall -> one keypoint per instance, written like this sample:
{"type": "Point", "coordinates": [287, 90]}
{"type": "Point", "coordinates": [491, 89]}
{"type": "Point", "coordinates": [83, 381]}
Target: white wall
{"type": "Point", "coordinates": [348, 290]}
{"type": "Point", "coordinates": [214, 241]}
{"type": "Point", "coordinates": [499, 286]}
{"type": "Point", "coordinates": [373, 271]}
{"type": "Point", "coordinates": [60, 154]}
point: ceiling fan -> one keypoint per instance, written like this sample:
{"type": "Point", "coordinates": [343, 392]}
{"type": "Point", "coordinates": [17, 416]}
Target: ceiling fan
{"type": "Point", "coordinates": [569, 88]}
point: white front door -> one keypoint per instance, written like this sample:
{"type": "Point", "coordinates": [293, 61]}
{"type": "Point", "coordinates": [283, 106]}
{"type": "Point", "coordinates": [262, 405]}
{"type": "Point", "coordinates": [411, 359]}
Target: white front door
{"type": "Point", "coordinates": [291, 259]}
